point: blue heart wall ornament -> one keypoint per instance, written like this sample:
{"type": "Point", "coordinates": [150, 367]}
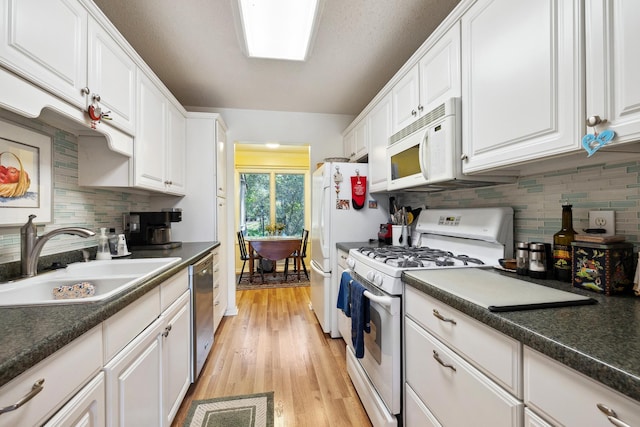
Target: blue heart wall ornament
{"type": "Point", "coordinates": [592, 143]}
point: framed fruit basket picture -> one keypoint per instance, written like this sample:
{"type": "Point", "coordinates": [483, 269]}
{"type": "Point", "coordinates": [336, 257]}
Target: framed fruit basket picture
{"type": "Point", "coordinates": [25, 175]}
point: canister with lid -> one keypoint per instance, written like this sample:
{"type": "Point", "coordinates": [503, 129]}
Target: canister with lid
{"type": "Point", "coordinates": [522, 258]}
{"type": "Point", "coordinates": [537, 261]}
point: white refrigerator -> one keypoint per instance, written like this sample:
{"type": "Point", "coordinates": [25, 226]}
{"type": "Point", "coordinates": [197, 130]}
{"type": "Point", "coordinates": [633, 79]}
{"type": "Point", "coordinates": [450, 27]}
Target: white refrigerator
{"type": "Point", "coordinates": [334, 218]}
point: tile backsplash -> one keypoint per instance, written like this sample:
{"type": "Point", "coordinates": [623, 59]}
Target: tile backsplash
{"type": "Point", "coordinates": [72, 205]}
{"type": "Point", "coordinates": [537, 199]}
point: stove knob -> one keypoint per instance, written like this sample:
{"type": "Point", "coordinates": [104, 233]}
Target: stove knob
{"type": "Point", "coordinates": [351, 263]}
{"type": "Point", "coordinates": [377, 279]}
{"type": "Point", "coordinates": [370, 276]}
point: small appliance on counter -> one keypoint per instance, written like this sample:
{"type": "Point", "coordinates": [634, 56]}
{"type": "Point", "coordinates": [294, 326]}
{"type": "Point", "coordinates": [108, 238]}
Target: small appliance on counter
{"type": "Point", "coordinates": [384, 234]}
{"type": "Point", "coordinates": [152, 230]}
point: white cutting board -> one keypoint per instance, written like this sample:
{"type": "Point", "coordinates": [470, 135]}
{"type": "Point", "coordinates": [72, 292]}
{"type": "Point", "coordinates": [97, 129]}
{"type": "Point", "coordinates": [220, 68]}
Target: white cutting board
{"type": "Point", "coordinates": [496, 292]}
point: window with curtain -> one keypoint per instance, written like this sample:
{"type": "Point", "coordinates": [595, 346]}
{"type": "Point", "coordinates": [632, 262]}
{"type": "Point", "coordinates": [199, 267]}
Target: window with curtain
{"type": "Point", "coordinates": [268, 198]}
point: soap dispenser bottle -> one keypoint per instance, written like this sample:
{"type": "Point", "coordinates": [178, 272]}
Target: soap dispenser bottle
{"type": "Point", "coordinates": [103, 245]}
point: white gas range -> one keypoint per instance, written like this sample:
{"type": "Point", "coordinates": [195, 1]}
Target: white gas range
{"type": "Point", "coordinates": [442, 238]}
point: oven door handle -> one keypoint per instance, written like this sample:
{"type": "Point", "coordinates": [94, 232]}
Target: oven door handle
{"type": "Point", "coordinates": [386, 301]}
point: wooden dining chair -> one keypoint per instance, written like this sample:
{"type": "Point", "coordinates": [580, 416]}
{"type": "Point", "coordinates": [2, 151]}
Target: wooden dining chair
{"type": "Point", "coordinates": [245, 256]}
{"type": "Point", "coordinates": [302, 253]}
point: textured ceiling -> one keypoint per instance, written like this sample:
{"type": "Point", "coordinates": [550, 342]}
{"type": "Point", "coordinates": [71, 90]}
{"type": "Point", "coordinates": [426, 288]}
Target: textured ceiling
{"type": "Point", "coordinates": [194, 48]}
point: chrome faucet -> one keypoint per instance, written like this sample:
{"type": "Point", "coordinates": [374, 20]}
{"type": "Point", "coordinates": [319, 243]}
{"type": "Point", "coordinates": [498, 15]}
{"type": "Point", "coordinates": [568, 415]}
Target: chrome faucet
{"type": "Point", "coordinates": [31, 244]}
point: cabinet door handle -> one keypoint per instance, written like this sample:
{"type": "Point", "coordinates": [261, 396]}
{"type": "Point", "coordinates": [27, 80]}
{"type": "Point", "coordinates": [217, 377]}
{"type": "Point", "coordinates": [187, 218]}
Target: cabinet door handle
{"type": "Point", "coordinates": [611, 415]}
{"type": "Point", "coordinates": [440, 361]}
{"type": "Point", "coordinates": [420, 108]}
{"type": "Point", "coordinates": [595, 120]}
{"type": "Point", "coordinates": [437, 314]}
{"type": "Point", "coordinates": [166, 331]}
{"type": "Point", "coordinates": [37, 388]}
{"type": "Point", "coordinates": [414, 113]}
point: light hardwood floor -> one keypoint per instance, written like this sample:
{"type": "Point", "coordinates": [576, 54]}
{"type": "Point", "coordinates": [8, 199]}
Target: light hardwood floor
{"type": "Point", "coordinates": [275, 344]}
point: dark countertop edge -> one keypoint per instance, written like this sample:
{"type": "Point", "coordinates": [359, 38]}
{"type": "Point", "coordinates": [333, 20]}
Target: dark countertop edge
{"type": "Point", "coordinates": [615, 378]}
{"type": "Point", "coordinates": [13, 366]}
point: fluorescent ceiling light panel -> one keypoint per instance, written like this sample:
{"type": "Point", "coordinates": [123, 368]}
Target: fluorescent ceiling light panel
{"type": "Point", "coordinates": [278, 29]}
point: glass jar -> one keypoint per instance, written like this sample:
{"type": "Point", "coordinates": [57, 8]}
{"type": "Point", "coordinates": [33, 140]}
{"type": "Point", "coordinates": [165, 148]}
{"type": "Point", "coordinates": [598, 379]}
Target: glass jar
{"type": "Point", "coordinates": [537, 261]}
{"type": "Point", "coordinates": [522, 258]}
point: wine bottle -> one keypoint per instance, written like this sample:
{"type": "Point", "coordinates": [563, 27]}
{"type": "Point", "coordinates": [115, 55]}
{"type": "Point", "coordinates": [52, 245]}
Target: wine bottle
{"type": "Point", "coordinates": [562, 263]}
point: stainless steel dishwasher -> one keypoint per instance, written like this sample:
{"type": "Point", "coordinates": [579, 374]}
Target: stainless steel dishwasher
{"type": "Point", "coordinates": [201, 284]}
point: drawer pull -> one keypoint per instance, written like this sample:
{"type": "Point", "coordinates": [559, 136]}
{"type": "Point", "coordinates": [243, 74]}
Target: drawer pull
{"type": "Point", "coordinates": [166, 331]}
{"type": "Point", "coordinates": [441, 317]}
{"type": "Point", "coordinates": [611, 416]}
{"type": "Point", "coordinates": [37, 388]}
{"type": "Point", "coordinates": [440, 361]}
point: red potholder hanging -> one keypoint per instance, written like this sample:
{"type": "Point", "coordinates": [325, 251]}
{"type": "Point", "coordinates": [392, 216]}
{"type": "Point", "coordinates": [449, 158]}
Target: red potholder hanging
{"type": "Point", "coordinates": [358, 191]}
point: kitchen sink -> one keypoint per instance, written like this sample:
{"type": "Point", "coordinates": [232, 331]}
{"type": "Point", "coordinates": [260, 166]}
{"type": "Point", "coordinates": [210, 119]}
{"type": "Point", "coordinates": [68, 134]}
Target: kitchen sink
{"type": "Point", "coordinates": [106, 278]}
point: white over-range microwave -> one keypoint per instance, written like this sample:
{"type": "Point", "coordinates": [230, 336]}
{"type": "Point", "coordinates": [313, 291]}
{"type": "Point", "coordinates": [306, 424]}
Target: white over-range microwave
{"type": "Point", "coordinates": [427, 155]}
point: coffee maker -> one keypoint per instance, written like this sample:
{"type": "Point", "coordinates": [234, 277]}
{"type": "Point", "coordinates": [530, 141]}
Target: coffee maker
{"type": "Point", "coordinates": [152, 230]}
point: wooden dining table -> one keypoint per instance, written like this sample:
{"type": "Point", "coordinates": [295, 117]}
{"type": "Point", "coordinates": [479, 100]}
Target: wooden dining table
{"type": "Point", "coordinates": [274, 248]}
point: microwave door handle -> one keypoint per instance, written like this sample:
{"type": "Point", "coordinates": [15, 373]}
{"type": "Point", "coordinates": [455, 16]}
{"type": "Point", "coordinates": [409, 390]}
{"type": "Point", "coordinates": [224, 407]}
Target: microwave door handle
{"type": "Point", "coordinates": [422, 151]}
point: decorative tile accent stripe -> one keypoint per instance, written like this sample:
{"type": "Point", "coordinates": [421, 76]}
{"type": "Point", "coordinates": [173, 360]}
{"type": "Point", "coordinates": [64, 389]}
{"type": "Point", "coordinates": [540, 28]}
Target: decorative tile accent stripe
{"type": "Point", "coordinates": [72, 205]}
{"type": "Point", "coordinates": [536, 199]}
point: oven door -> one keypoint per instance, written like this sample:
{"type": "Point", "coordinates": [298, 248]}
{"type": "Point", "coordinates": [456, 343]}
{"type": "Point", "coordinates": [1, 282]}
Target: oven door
{"type": "Point", "coordinates": [382, 352]}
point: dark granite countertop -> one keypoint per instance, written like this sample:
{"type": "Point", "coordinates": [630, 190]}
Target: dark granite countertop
{"type": "Point", "coordinates": [29, 334]}
{"type": "Point", "coordinates": [602, 341]}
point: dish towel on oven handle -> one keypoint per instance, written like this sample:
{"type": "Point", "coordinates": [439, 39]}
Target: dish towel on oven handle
{"type": "Point", "coordinates": [344, 294]}
{"type": "Point", "coordinates": [359, 317]}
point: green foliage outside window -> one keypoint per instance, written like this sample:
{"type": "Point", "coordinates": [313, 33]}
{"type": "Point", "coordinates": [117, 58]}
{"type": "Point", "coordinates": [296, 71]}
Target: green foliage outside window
{"type": "Point", "coordinates": [288, 201]}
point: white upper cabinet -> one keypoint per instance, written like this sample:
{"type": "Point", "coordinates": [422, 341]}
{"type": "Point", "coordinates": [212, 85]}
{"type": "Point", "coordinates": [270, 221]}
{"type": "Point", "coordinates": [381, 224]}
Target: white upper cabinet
{"type": "Point", "coordinates": [176, 151]}
{"type": "Point", "coordinates": [379, 123]}
{"type": "Point", "coordinates": [159, 147]}
{"type": "Point", "coordinates": [440, 71]}
{"type": "Point", "coordinates": [111, 78]}
{"type": "Point", "coordinates": [355, 142]}
{"type": "Point", "coordinates": [57, 46]}
{"type": "Point", "coordinates": [149, 146]}
{"type": "Point", "coordinates": [612, 64]}
{"type": "Point", "coordinates": [221, 159]}
{"type": "Point", "coordinates": [406, 100]}
{"type": "Point", "coordinates": [521, 81]}
{"type": "Point", "coordinates": [435, 78]}
{"type": "Point", "coordinates": [348, 144]}
{"type": "Point", "coordinates": [46, 42]}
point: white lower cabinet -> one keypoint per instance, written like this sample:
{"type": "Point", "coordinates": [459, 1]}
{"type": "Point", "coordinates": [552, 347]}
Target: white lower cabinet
{"type": "Point", "coordinates": [86, 409]}
{"type": "Point", "coordinates": [131, 370]}
{"type": "Point", "coordinates": [219, 290]}
{"type": "Point", "coordinates": [58, 377]}
{"type": "Point", "coordinates": [176, 356]}
{"type": "Point", "coordinates": [454, 391]}
{"type": "Point", "coordinates": [148, 379]}
{"type": "Point", "coordinates": [134, 389]}
{"type": "Point", "coordinates": [564, 397]}
{"type": "Point", "coordinates": [417, 414]}
{"type": "Point", "coordinates": [532, 420]}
